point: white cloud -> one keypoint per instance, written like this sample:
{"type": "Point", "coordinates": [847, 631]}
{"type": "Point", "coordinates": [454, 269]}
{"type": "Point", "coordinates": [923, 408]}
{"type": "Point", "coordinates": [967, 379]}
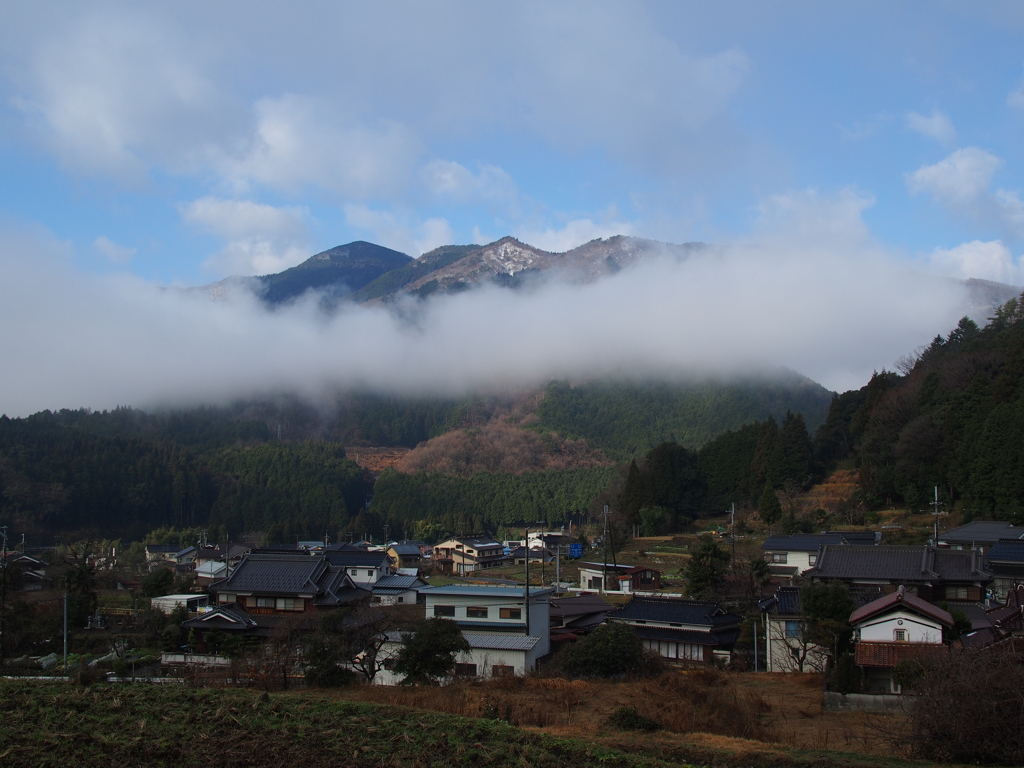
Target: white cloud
{"type": "Point", "coordinates": [118, 254]}
{"type": "Point", "coordinates": [301, 141]}
{"type": "Point", "coordinates": [402, 233]}
{"type": "Point", "coordinates": [959, 180]}
{"type": "Point", "coordinates": [452, 179]}
{"type": "Point", "coordinates": [962, 183]}
{"type": "Point", "coordinates": [982, 260]}
{"type": "Point", "coordinates": [69, 339]}
{"type": "Point", "coordinates": [112, 94]}
{"type": "Point", "coordinates": [261, 238]}
{"type": "Point", "coordinates": [936, 126]}
{"type": "Point", "coordinates": [574, 233]}
{"type": "Point", "coordinates": [813, 218]}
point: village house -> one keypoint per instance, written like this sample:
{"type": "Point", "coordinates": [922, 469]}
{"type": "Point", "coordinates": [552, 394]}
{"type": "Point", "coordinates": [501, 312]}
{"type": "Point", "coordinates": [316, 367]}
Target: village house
{"type": "Point", "coordinates": [682, 630]}
{"type": "Point", "coordinates": [466, 554]}
{"type": "Point", "coordinates": [572, 617]}
{"type": "Point", "coordinates": [366, 567]}
{"type": "Point", "coordinates": [980, 534]}
{"type": "Point", "coordinates": [894, 628]}
{"type": "Point", "coordinates": [619, 578]}
{"type": "Point", "coordinates": [398, 589]}
{"type": "Point", "coordinates": [1005, 560]}
{"type": "Point", "coordinates": [506, 636]}
{"type": "Point", "coordinates": [790, 556]}
{"type": "Point", "coordinates": [934, 575]}
{"type": "Point", "coordinates": [408, 554]}
{"type": "Point", "coordinates": [788, 649]}
{"type": "Point", "coordinates": [27, 573]}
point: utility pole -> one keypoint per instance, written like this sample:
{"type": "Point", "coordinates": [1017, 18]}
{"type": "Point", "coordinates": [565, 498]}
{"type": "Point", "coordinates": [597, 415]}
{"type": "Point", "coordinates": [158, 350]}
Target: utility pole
{"type": "Point", "coordinates": [66, 633]}
{"type": "Point", "coordinates": [936, 504]}
{"type": "Point", "coordinates": [526, 598]}
{"type": "Point", "coordinates": [3, 592]}
{"type": "Point", "coordinates": [732, 532]}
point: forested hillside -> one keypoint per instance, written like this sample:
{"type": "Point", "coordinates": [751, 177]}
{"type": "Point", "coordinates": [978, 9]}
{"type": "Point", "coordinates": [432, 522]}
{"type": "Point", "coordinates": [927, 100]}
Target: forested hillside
{"type": "Point", "coordinates": [125, 473]}
{"type": "Point", "coordinates": [954, 418]}
{"type": "Point", "coordinates": [625, 419]}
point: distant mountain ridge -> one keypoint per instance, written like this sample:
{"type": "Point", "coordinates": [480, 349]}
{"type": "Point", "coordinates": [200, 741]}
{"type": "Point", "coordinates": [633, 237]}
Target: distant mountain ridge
{"type": "Point", "coordinates": [366, 273]}
{"type": "Point", "coordinates": [363, 272]}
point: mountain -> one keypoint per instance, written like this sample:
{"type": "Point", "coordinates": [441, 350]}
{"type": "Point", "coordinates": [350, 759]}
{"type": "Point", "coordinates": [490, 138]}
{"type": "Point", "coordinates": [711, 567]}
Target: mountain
{"type": "Point", "coordinates": [336, 272]}
{"type": "Point", "coordinates": [512, 264]}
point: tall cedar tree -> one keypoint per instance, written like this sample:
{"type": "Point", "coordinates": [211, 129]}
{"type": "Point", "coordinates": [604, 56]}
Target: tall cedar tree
{"type": "Point", "coordinates": [706, 570]}
{"type": "Point", "coordinates": [768, 507]}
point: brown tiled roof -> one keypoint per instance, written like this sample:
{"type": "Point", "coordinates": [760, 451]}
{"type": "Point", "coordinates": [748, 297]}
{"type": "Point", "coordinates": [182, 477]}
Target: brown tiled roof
{"type": "Point", "coordinates": [869, 654]}
{"type": "Point", "coordinates": [902, 599]}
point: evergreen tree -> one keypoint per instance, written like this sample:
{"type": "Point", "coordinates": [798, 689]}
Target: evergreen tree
{"type": "Point", "coordinates": [705, 572]}
{"type": "Point", "coordinates": [768, 507]}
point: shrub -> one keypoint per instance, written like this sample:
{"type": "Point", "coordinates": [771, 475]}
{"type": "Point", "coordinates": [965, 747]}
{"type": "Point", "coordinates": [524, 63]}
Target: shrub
{"type": "Point", "coordinates": [611, 649]}
{"type": "Point", "coordinates": [628, 719]}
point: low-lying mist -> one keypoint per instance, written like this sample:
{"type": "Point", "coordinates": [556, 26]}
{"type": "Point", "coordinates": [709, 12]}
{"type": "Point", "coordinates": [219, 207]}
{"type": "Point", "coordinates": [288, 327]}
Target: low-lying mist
{"type": "Point", "coordinates": [70, 339]}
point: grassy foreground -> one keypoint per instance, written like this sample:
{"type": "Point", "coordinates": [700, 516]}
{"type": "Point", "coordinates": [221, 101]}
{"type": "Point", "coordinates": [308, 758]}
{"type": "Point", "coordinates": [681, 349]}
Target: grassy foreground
{"type": "Point", "coordinates": [51, 724]}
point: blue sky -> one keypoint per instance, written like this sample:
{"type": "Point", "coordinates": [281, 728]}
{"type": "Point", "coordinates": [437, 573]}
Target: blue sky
{"type": "Point", "coordinates": [177, 144]}
{"type": "Point", "coordinates": [186, 144]}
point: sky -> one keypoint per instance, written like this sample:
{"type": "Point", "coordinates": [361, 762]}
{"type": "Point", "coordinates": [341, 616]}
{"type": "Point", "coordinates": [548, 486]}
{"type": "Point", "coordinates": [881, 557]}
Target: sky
{"type": "Point", "coordinates": [841, 158]}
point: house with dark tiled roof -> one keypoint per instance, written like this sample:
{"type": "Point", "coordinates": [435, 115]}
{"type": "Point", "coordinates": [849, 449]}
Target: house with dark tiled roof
{"type": "Point", "coordinates": [980, 534]}
{"type": "Point", "coordinates": [681, 630]}
{"type": "Point", "coordinates": [933, 574]}
{"type": "Point", "coordinates": [789, 556]}
{"type": "Point", "coordinates": [1005, 560]}
{"type": "Point", "coordinates": [398, 589]}
{"type": "Point", "coordinates": [894, 628]}
{"type": "Point", "coordinates": [407, 554]}
{"type": "Point", "coordinates": [287, 584]}
{"type": "Point", "coordinates": [366, 567]}
{"type": "Point", "coordinates": [577, 615]}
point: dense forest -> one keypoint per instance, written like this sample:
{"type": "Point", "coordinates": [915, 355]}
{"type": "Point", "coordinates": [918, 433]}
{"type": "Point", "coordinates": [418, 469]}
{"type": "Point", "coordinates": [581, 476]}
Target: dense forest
{"type": "Point", "coordinates": [625, 419]}
{"type": "Point", "coordinates": [125, 473]}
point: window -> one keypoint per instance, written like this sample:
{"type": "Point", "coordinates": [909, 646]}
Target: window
{"type": "Point", "coordinates": [956, 593]}
{"type": "Point", "coordinates": [444, 610]}
{"type": "Point", "coordinates": [476, 612]}
{"type": "Point", "coordinates": [502, 670]}
{"type": "Point", "coordinates": [375, 599]}
{"type": "Point", "coordinates": [401, 599]}
{"type": "Point", "coordinates": [289, 604]}
{"type": "Point", "coordinates": [899, 635]}
{"type": "Point", "coordinates": [465, 670]}
{"type": "Point", "coordinates": [776, 557]}
{"type": "Point", "coordinates": [390, 663]}
{"type": "Point", "coordinates": [264, 602]}
{"type": "Point", "coordinates": [812, 559]}
{"type": "Point", "coordinates": [510, 613]}
{"type": "Point", "coordinates": [793, 629]}
{"type": "Point", "coordinates": [226, 598]}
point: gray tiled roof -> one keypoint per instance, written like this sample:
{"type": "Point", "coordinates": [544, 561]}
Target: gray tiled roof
{"type": "Point", "coordinates": [275, 574]}
{"type": "Point", "coordinates": [897, 564]}
{"type": "Point", "coordinates": [406, 550]}
{"type": "Point", "coordinates": [357, 558]}
{"type": "Point", "coordinates": [502, 642]}
{"type": "Point", "coordinates": [397, 581]}
{"type": "Point", "coordinates": [981, 532]}
{"type": "Point", "coordinates": [673, 610]}
{"type": "Point", "coordinates": [1007, 550]}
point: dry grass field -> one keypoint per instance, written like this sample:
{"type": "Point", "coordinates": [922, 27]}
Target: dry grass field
{"type": "Point", "coordinates": [761, 712]}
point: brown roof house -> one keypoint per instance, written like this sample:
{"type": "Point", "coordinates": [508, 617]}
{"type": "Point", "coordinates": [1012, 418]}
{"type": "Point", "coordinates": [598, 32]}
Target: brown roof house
{"type": "Point", "coordinates": [465, 554]}
{"type": "Point", "coordinates": [894, 628]}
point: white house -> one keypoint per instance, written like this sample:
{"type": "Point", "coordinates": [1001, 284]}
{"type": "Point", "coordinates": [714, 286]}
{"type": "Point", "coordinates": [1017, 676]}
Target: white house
{"type": "Point", "coordinates": [788, 648]}
{"type": "Point", "coordinates": [789, 556]}
{"type": "Point", "coordinates": [897, 627]}
{"type": "Point", "coordinates": [506, 635]}
{"type": "Point", "coordinates": [365, 568]}
{"type": "Point", "coordinates": [621, 578]}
